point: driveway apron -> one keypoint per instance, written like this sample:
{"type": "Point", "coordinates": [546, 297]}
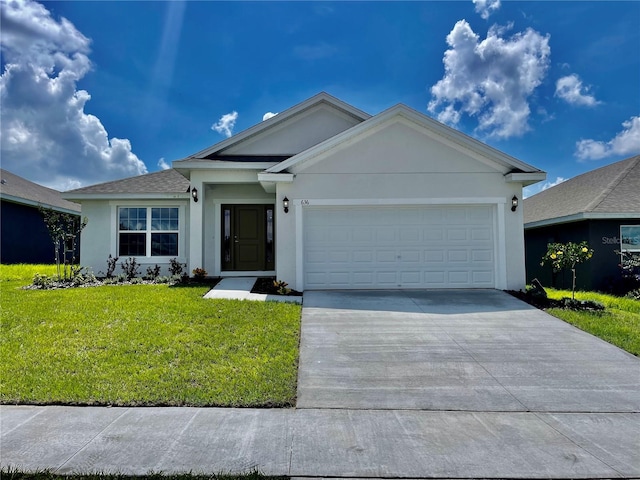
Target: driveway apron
{"type": "Point", "coordinates": [479, 350]}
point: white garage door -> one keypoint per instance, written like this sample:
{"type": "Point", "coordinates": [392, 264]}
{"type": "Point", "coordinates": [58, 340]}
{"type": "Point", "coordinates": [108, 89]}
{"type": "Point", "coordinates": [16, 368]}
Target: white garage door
{"type": "Point", "coordinates": [399, 247]}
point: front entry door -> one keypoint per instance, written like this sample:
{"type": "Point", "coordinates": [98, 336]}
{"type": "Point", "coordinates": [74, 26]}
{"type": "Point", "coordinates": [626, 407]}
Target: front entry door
{"type": "Point", "coordinates": [247, 237]}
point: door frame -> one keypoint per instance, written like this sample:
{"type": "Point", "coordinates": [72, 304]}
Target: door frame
{"type": "Point", "coordinates": [261, 229]}
{"type": "Point", "coordinates": [214, 251]}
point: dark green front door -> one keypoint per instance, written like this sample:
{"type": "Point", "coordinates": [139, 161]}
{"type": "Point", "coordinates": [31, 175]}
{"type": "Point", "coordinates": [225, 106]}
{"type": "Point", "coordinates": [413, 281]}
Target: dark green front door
{"type": "Point", "coordinates": [247, 237]}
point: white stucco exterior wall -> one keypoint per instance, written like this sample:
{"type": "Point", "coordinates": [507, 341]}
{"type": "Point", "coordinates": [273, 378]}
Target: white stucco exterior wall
{"type": "Point", "coordinates": [399, 165]}
{"type": "Point", "coordinates": [100, 237]}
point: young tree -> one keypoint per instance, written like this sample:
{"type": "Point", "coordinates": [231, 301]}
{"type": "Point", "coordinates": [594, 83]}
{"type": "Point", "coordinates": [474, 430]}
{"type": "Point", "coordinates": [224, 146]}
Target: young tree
{"type": "Point", "coordinates": [64, 229]}
{"type": "Point", "coordinates": [567, 255]}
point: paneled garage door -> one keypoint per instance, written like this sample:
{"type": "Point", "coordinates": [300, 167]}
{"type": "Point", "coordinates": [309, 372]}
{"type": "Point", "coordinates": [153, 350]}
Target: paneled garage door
{"type": "Point", "coordinates": [370, 247]}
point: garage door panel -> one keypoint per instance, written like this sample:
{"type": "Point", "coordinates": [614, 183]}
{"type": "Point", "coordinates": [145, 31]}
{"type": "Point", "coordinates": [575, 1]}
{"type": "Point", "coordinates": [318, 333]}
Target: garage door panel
{"type": "Point", "coordinates": [482, 256]}
{"type": "Point", "coordinates": [457, 256]}
{"type": "Point", "coordinates": [458, 278]}
{"type": "Point", "coordinates": [480, 235]}
{"type": "Point", "coordinates": [399, 247]}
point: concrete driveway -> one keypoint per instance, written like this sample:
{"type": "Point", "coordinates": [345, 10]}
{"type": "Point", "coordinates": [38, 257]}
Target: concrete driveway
{"type": "Point", "coordinates": [481, 351]}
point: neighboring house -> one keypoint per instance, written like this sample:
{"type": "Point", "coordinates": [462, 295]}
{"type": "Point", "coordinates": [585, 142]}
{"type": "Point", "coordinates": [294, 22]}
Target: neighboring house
{"type": "Point", "coordinates": [25, 238]}
{"type": "Point", "coordinates": [325, 196]}
{"type": "Point", "coordinates": [601, 207]}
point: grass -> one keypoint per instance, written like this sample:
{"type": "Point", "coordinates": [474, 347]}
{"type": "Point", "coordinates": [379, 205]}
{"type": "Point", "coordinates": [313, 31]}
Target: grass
{"type": "Point", "coordinates": [142, 345]}
{"type": "Point", "coordinates": [619, 324]}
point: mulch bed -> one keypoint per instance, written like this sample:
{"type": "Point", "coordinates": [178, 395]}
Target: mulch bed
{"type": "Point", "coordinates": [265, 285]}
{"type": "Point", "coordinates": [542, 302]}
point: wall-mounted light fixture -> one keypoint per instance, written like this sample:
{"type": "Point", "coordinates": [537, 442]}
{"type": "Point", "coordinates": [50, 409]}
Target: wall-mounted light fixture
{"type": "Point", "coordinates": [285, 204]}
{"type": "Point", "coordinates": [514, 203]}
{"type": "Point", "coordinates": [194, 194]}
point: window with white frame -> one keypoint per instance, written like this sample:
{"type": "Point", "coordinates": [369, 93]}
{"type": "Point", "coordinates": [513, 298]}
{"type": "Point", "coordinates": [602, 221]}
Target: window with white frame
{"type": "Point", "coordinates": [630, 238]}
{"type": "Point", "coordinates": [148, 231]}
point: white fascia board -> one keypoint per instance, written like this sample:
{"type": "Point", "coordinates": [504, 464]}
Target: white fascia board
{"type": "Point", "coordinates": [582, 216]}
{"type": "Point", "coordinates": [32, 203]}
{"type": "Point", "coordinates": [445, 134]}
{"type": "Point", "coordinates": [525, 178]}
{"type": "Point", "coordinates": [276, 177]}
{"type": "Point", "coordinates": [216, 165]}
{"type": "Point", "coordinates": [125, 196]}
{"type": "Point", "coordinates": [269, 180]}
{"type": "Point", "coordinates": [282, 117]}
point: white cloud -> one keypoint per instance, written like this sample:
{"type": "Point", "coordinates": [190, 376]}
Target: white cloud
{"type": "Point", "coordinates": [533, 189]}
{"type": "Point", "coordinates": [268, 115]}
{"type": "Point", "coordinates": [45, 134]}
{"type": "Point", "coordinates": [226, 123]}
{"type": "Point", "coordinates": [491, 79]}
{"type": "Point", "coordinates": [486, 7]}
{"type": "Point", "coordinates": [571, 90]}
{"type": "Point", "coordinates": [547, 185]}
{"type": "Point", "coordinates": [163, 164]}
{"type": "Point", "coordinates": [626, 142]}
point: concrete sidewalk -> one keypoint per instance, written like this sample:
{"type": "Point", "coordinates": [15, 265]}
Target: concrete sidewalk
{"type": "Point", "coordinates": [322, 443]}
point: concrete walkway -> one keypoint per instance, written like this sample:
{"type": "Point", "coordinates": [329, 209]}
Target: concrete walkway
{"type": "Point", "coordinates": [239, 288]}
{"type": "Point", "coordinates": [392, 385]}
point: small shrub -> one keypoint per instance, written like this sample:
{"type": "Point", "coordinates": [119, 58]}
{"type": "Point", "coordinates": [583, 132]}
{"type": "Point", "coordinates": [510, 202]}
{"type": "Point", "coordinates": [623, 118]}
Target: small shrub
{"type": "Point", "coordinates": [130, 267]}
{"type": "Point", "coordinates": [175, 267]}
{"type": "Point", "coordinates": [634, 294]}
{"type": "Point", "coordinates": [199, 274]}
{"type": "Point", "coordinates": [43, 281]}
{"type": "Point", "coordinates": [281, 287]}
{"type": "Point", "coordinates": [153, 272]}
{"type": "Point", "coordinates": [573, 304]}
{"type": "Point", "coordinates": [136, 280]}
{"type": "Point", "coordinates": [111, 265]}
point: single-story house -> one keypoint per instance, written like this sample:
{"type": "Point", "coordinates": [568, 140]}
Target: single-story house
{"type": "Point", "coordinates": [25, 238]}
{"type": "Point", "coordinates": [602, 207]}
{"type": "Point", "coordinates": [325, 196]}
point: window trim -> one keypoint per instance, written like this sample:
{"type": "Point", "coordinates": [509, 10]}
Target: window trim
{"type": "Point", "coordinates": [630, 250]}
{"type": "Point", "coordinates": [149, 205]}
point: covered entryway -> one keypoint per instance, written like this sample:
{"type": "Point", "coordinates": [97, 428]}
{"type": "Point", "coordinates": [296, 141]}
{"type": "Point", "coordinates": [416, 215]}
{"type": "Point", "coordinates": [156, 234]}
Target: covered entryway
{"type": "Point", "coordinates": [247, 237]}
{"type": "Point", "coordinates": [416, 246]}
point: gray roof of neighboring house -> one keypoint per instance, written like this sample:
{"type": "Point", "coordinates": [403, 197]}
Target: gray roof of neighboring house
{"type": "Point", "coordinates": [605, 192]}
{"type": "Point", "coordinates": [164, 181]}
{"type": "Point", "coordinates": [21, 190]}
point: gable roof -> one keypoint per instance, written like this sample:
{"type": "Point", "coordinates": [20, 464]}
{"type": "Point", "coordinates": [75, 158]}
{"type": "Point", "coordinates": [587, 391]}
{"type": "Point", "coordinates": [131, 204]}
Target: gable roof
{"type": "Point", "coordinates": [612, 191]}
{"type": "Point", "coordinates": [20, 190]}
{"type": "Point", "coordinates": [150, 185]}
{"type": "Point", "coordinates": [454, 138]}
{"type": "Point", "coordinates": [319, 99]}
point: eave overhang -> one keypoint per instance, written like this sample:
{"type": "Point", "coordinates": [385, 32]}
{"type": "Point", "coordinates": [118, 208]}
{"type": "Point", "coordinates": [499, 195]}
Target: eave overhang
{"type": "Point", "coordinates": [270, 180]}
{"type": "Point", "coordinates": [525, 179]}
{"type": "Point", "coordinates": [79, 197]}
{"type": "Point", "coordinates": [33, 203]}
{"type": "Point", "coordinates": [577, 217]}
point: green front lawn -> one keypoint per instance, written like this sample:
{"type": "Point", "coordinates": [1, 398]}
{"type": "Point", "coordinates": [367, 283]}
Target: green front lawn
{"type": "Point", "coordinates": [619, 324]}
{"type": "Point", "coordinates": [142, 345]}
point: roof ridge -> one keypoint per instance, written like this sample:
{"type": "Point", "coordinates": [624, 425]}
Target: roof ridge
{"type": "Point", "coordinates": [612, 185]}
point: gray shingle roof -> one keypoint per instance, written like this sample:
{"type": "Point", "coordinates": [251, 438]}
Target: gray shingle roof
{"type": "Point", "coordinates": [15, 188]}
{"type": "Point", "coordinates": [613, 189]}
{"type": "Point", "coordinates": [164, 181]}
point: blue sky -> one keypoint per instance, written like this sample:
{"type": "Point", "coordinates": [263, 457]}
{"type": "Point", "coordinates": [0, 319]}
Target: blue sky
{"type": "Point", "coordinates": [94, 91]}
